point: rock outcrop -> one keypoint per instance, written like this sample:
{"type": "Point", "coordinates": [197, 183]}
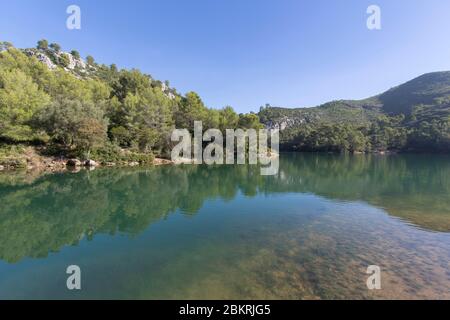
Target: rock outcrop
{"type": "Point", "coordinates": [42, 57]}
{"type": "Point", "coordinates": [90, 163]}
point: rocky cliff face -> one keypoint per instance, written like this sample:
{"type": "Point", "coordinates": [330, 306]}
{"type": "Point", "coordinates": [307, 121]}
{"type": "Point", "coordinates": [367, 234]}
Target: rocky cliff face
{"type": "Point", "coordinates": [65, 60]}
{"type": "Point", "coordinates": [167, 91]}
{"type": "Point", "coordinates": [284, 118]}
{"type": "Point", "coordinates": [78, 66]}
{"type": "Point", "coordinates": [284, 123]}
{"type": "Point", "coordinates": [42, 57]}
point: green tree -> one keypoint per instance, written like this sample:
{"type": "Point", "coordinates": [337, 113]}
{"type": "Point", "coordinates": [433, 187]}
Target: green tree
{"type": "Point", "coordinates": [90, 60]}
{"type": "Point", "coordinates": [55, 47]}
{"type": "Point", "coordinates": [75, 54]}
{"type": "Point", "coordinates": [5, 45]}
{"type": "Point", "coordinates": [65, 122]}
{"type": "Point", "coordinates": [121, 136]}
{"type": "Point", "coordinates": [191, 109]}
{"type": "Point", "coordinates": [20, 98]}
{"type": "Point", "coordinates": [64, 60]}
{"type": "Point", "coordinates": [249, 121]}
{"type": "Point", "coordinates": [229, 119]}
{"type": "Point", "coordinates": [90, 133]}
{"type": "Point", "coordinates": [147, 139]}
{"type": "Point", "coordinates": [42, 44]}
{"type": "Point", "coordinates": [130, 82]}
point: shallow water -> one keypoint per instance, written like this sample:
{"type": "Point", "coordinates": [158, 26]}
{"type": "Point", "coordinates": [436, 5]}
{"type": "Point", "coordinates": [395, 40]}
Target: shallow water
{"type": "Point", "coordinates": [225, 232]}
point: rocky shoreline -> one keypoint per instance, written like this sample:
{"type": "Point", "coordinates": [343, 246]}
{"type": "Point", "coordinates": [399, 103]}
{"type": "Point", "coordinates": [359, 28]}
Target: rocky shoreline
{"type": "Point", "coordinates": [54, 164]}
{"type": "Point", "coordinates": [33, 162]}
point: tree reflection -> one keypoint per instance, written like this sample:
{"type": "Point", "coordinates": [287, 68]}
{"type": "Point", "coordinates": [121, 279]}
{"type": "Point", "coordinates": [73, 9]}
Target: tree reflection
{"type": "Point", "coordinates": [42, 214]}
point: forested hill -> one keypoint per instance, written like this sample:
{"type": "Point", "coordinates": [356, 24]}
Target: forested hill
{"type": "Point", "coordinates": [77, 107]}
{"type": "Point", "coordinates": [64, 105]}
{"type": "Point", "coordinates": [414, 116]}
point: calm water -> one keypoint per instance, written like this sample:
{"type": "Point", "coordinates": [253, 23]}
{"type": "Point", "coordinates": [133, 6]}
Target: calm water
{"type": "Point", "coordinates": [226, 232]}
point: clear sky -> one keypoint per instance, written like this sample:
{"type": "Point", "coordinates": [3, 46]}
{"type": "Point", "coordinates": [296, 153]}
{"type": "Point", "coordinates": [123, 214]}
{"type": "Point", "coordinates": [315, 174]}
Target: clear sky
{"type": "Point", "coordinates": [246, 53]}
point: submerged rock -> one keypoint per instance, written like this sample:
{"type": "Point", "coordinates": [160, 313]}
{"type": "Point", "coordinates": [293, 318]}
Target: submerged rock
{"type": "Point", "coordinates": [2, 168]}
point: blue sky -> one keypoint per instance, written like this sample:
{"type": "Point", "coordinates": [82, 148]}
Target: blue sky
{"type": "Point", "coordinates": [246, 53]}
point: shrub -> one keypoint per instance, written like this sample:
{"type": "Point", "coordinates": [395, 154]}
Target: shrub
{"type": "Point", "coordinates": [112, 153]}
{"type": "Point", "coordinates": [107, 153]}
{"type": "Point", "coordinates": [12, 156]}
{"type": "Point", "coordinates": [121, 136]}
{"type": "Point", "coordinates": [142, 158]}
{"type": "Point", "coordinates": [64, 60]}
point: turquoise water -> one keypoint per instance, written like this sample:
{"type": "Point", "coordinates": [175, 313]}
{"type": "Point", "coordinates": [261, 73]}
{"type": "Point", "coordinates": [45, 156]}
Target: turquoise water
{"type": "Point", "coordinates": [226, 232]}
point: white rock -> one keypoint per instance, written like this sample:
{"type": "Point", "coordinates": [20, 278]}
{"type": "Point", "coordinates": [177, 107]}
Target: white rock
{"type": "Point", "coordinates": [90, 163]}
{"type": "Point", "coordinates": [183, 161]}
{"type": "Point", "coordinates": [42, 57]}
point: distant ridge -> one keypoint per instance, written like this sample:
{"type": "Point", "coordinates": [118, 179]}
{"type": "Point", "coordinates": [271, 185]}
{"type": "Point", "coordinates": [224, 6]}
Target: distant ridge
{"type": "Point", "coordinates": [431, 91]}
{"type": "Point", "coordinates": [414, 116]}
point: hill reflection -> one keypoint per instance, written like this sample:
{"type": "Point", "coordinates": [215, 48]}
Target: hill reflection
{"type": "Point", "coordinates": [41, 214]}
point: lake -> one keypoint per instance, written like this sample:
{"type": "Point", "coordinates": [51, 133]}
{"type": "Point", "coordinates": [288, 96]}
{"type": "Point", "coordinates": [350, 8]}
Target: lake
{"type": "Point", "coordinates": [226, 232]}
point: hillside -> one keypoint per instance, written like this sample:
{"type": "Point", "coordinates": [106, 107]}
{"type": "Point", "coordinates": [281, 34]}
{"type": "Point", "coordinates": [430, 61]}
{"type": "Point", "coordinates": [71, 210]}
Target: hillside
{"type": "Point", "coordinates": [69, 107]}
{"type": "Point", "coordinates": [415, 114]}
{"type": "Point", "coordinates": [430, 91]}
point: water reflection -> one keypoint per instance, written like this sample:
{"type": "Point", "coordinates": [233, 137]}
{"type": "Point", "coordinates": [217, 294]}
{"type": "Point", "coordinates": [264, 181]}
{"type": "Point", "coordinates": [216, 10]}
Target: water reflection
{"type": "Point", "coordinates": [39, 215]}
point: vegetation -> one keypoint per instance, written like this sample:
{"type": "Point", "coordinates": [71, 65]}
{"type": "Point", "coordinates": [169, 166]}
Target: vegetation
{"type": "Point", "coordinates": [413, 117]}
{"type": "Point", "coordinates": [98, 110]}
{"type": "Point", "coordinates": [12, 156]}
{"type": "Point", "coordinates": [53, 99]}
